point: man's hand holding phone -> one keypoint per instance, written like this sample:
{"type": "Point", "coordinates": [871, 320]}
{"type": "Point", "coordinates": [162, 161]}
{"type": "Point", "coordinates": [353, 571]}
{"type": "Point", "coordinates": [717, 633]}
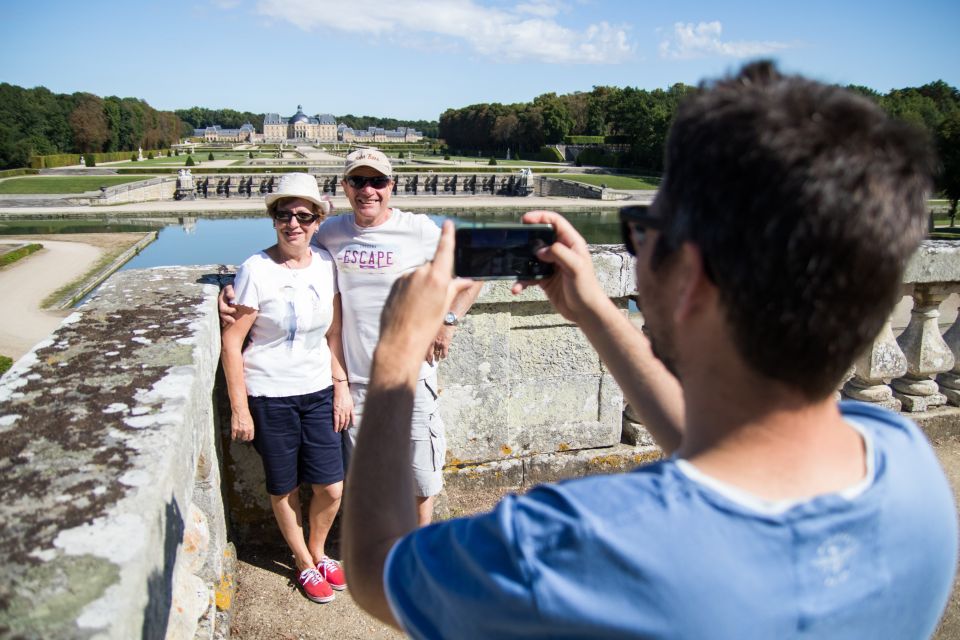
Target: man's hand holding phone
{"type": "Point", "coordinates": [573, 288]}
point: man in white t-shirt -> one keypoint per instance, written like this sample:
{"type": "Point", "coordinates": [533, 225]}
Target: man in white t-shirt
{"type": "Point", "coordinates": [372, 248]}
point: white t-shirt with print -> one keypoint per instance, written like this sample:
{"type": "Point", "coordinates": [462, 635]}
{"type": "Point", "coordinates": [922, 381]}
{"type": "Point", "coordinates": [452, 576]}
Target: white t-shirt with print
{"type": "Point", "coordinates": [369, 260]}
{"type": "Point", "coordinates": [288, 353]}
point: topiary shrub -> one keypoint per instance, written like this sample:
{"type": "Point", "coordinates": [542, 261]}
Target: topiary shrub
{"type": "Point", "coordinates": [493, 161]}
{"type": "Point", "coordinates": [189, 162]}
{"type": "Point", "coordinates": [133, 157]}
{"type": "Point", "coordinates": [177, 152]}
{"type": "Point", "coordinates": [150, 155]}
{"type": "Point", "coordinates": [210, 157]}
{"type": "Point", "coordinates": [446, 157]}
{"type": "Point", "coordinates": [91, 160]}
{"type": "Point", "coordinates": [250, 155]}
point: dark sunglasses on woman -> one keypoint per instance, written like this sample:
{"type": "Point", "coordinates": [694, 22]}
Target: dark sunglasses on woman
{"type": "Point", "coordinates": [302, 218]}
{"type": "Point", "coordinates": [359, 182]}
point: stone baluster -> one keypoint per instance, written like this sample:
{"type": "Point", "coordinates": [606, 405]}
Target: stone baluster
{"type": "Point", "coordinates": [927, 354]}
{"type": "Point", "coordinates": [875, 368]}
{"type": "Point", "coordinates": [950, 381]}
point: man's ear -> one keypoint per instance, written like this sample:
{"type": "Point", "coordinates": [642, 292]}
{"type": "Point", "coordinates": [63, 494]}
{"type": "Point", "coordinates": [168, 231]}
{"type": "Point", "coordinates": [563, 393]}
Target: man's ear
{"type": "Point", "coordinates": [694, 288]}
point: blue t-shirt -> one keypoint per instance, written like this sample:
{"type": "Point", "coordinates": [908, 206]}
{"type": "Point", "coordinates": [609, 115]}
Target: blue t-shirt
{"type": "Point", "coordinates": [662, 553]}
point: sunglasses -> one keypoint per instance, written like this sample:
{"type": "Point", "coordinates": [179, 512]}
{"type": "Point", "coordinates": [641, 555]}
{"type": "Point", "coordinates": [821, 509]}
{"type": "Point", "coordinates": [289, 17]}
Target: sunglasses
{"type": "Point", "coordinates": [359, 182]}
{"type": "Point", "coordinates": [634, 222]}
{"type": "Point", "coordinates": [302, 218]}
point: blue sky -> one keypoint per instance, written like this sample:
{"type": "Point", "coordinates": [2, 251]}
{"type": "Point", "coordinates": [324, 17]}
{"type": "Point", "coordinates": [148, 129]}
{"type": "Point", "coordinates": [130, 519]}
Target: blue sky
{"type": "Point", "coordinates": [415, 58]}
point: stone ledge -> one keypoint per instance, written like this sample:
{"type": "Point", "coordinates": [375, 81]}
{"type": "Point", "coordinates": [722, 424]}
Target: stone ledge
{"type": "Point", "coordinates": [105, 431]}
{"type": "Point", "coordinates": [473, 488]}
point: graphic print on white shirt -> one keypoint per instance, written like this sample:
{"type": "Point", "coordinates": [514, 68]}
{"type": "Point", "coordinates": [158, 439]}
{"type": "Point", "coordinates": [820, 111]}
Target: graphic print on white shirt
{"type": "Point", "coordinates": [364, 258]}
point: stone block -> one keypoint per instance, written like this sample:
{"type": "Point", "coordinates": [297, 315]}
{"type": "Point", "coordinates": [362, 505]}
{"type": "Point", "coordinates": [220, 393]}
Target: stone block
{"type": "Point", "coordinates": [543, 351]}
{"type": "Point", "coordinates": [560, 466]}
{"type": "Point", "coordinates": [558, 415]}
{"type": "Point", "coordinates": [934, 262]}
{"type": "Point", "coordinates": [476, 420]}
{"type": "Point", "coordinates": [479, 353]}
{"type": "Point", "coordinates": [477, 488]}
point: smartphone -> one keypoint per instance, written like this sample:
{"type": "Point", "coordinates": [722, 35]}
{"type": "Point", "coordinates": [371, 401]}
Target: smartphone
{"type": "Point", "coordinates": [502, 251]}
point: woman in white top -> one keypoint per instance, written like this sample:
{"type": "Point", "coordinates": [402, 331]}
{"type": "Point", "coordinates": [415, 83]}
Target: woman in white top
{"type": "Point", "coordinates": [288, 385]}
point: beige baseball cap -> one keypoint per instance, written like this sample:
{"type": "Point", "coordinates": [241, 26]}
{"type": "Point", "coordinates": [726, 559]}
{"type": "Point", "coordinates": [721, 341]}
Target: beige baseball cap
{"type": "Point", "coordinates": [372, 158]}
{"type": "Point", "coordinates": [298, 185]}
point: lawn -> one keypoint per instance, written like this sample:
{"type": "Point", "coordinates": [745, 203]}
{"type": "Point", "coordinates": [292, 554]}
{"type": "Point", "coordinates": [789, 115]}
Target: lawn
{"type": "Point", "coordinates": [71, 184]}
{"type": "Point", "coordinates": [614, 182]}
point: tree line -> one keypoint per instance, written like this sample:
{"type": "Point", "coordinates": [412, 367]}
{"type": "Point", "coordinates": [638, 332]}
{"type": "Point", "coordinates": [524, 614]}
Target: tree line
{"type": "Point", "coordinates": [638, 119]}
{"type": "Point", "coordinates": [39, 122]}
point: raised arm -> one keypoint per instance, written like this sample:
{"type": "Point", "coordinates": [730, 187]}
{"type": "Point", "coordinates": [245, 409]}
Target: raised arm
{"type": "Point", "coordinates": [652, 391]}
{"type": "Point", "coordinates": [379, 507]}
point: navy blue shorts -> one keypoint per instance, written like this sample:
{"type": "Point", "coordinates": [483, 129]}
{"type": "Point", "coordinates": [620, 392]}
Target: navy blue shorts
{"type": "Point", "coordinates": [295, 439]}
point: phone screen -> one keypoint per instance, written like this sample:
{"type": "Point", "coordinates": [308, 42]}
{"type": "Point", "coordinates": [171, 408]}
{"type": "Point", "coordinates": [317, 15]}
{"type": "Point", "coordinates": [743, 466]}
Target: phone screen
{"type": "Point", "coordinates": [502, 251]}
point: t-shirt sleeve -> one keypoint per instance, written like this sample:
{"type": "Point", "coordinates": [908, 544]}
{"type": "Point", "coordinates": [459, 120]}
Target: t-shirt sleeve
{"type": "Point", "coordinates": [245, 290]}
{"type": "Point", "coordinates": [462, 578]}
{"type": "Point", "coordinates": [429, 236]}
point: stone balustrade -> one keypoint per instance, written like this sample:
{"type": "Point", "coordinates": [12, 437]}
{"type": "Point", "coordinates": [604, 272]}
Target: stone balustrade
{"type": "Point", "coordinates": [121, 487]}
{"type": "Point", "coordinates": [918, 370]}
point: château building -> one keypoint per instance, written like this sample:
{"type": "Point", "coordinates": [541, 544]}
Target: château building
{"type": "Point", "coordinates": [216, 133]}
{"type": "Point", "coordinates": [299, 126]}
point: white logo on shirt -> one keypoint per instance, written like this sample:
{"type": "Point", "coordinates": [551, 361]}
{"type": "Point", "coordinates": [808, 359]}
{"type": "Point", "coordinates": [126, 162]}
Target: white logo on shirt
{"type": "Point", "coordinates": [834, 556]}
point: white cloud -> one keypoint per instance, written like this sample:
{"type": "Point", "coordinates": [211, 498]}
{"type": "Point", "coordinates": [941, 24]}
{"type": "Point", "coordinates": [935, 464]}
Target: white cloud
{"type": "Point", "coordinates": [226, 5]}
{"type": "Point", "coordinates": [525, 32]}
{"type": "Point", "coordinates": [700, 40]}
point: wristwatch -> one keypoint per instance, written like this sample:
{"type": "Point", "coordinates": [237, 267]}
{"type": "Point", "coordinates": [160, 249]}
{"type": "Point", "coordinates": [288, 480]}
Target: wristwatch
{"type": "Point", "coordinates": [451, 319]}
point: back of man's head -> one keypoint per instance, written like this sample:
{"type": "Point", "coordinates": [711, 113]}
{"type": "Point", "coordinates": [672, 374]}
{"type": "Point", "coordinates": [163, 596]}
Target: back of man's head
{"type": "Point", "coordinates": [806, 202]}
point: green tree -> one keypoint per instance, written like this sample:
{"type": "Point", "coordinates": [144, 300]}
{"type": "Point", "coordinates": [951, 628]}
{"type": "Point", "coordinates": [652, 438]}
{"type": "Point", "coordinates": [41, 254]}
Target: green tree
{"type": "Point", "coordinates": [189, 162]}
{"type": "Point", "coordinates": [210, 156]}
{"type": "Point", "coordinates": [88, 121]}
{"type": "Point", "coordinates": [948, 146]}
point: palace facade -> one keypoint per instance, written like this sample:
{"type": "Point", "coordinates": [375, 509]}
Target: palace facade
{"type": "Point", "coordinates": [299, 126]}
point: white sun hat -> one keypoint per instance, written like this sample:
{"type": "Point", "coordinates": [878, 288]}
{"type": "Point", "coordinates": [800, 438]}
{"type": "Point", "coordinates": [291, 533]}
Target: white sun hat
{"type": "Point", "coordinates": [367, 157]}
{"type": "Point", "coordinates": [298, 185]}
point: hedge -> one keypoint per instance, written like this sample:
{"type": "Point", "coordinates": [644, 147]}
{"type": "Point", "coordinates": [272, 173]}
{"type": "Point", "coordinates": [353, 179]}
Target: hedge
{"type": "Point", "coordinates": [549, 154]}
{"type": "Point", "coordinates": [583, 139]}
{"type": "Point", "coordinates": [598, 157]}
{"type": "Point", "coordinates": [67, 159]}
{"type": "Point", "coordinates": [9, 173]}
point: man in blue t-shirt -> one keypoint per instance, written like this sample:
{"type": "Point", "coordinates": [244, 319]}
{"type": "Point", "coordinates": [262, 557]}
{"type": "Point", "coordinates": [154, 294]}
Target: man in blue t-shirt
{"type": "Point", "coordinates": [771, 257]}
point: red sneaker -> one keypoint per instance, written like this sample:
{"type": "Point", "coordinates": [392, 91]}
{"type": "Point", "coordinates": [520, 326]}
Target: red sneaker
{"type": "Point", "coordinates": [314, 586]}
{"type": "Point", "coordinates": [330, 569]}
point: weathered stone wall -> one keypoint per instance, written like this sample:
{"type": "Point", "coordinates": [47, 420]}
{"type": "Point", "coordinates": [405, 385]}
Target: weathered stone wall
{"type": "Point", "coordinates": [145, 191]}
{"type": "Point", "coordinates": [571, 189]}
{"type": "Point", "coordinates": [112, 520]}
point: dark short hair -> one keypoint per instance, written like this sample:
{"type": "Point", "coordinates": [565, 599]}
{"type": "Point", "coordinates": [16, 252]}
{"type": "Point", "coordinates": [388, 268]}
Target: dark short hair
{"type": "Point", "coordinates": [806, 202]}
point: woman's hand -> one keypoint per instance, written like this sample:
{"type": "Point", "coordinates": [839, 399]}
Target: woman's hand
{"type": "Point", "coordinates": [241, 427]}
{"type": "Point", "coordinates": [342, 406]}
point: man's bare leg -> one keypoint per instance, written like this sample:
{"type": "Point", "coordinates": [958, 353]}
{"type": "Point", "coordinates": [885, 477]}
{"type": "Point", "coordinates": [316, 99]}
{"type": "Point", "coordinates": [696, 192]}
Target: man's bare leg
{"type": "Point", "coordinates": [424, 510]}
